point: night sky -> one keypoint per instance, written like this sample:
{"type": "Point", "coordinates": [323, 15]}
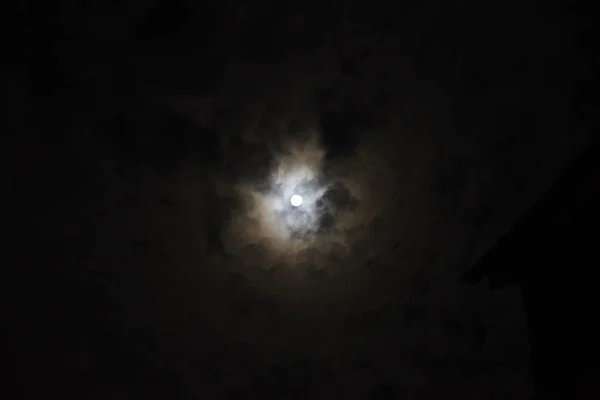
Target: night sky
{"type": "Point", "coordinates": [153, 149]}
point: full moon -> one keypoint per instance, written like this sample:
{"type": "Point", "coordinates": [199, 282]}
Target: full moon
{"type": "Point", "coordinates": [296, 200]}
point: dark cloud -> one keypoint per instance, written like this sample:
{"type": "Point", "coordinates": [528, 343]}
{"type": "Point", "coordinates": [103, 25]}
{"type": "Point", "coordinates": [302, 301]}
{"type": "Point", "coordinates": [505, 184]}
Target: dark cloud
{"type": "Point", "coordinates": [341, 130]}
{"type": "Point", "coordinates": [162, 138]}
{"type": "Point", "coordinates": [339, 197]}
{"type": "Point", "coordinates": [250, 161]}
{"type": "Point", "coordinates": [167, 19]}
{"type": "Point", "coordinates": [326, 222]}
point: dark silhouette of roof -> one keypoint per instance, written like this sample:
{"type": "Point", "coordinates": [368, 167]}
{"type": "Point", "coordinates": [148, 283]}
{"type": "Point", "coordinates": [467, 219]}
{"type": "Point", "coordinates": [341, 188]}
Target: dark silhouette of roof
{"type": "Point", "coordinates": [552, 253]}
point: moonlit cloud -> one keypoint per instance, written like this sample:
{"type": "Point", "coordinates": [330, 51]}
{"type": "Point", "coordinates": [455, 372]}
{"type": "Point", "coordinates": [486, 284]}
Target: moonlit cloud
{"type": "Point", "coordinates": [267, 218]}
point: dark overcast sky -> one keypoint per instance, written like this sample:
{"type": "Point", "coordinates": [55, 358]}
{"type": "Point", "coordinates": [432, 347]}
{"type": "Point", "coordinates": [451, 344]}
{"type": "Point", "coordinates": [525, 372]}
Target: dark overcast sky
{"type": "Point", "coordinates": [152, 151]}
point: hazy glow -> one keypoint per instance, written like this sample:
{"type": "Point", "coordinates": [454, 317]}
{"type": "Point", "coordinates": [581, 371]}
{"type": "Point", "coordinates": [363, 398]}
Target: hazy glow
{"type": "Point", "coordinates": [273, 216]}
{"type": "Point", "coordinates": [296, 200]}
{"type": "Point", "coordinates": [284, 217]}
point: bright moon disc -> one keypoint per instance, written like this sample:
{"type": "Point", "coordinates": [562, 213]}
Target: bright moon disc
{"type": "Point", "coordinates": [296, 200]}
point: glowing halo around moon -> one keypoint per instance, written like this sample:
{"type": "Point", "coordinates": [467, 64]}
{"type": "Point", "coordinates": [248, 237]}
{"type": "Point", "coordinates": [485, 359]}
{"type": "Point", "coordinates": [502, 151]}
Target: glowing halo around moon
{"type": "Point", "coordinates": [289, 216]}
{"type": "Point", "coordinates": [296, 200]}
